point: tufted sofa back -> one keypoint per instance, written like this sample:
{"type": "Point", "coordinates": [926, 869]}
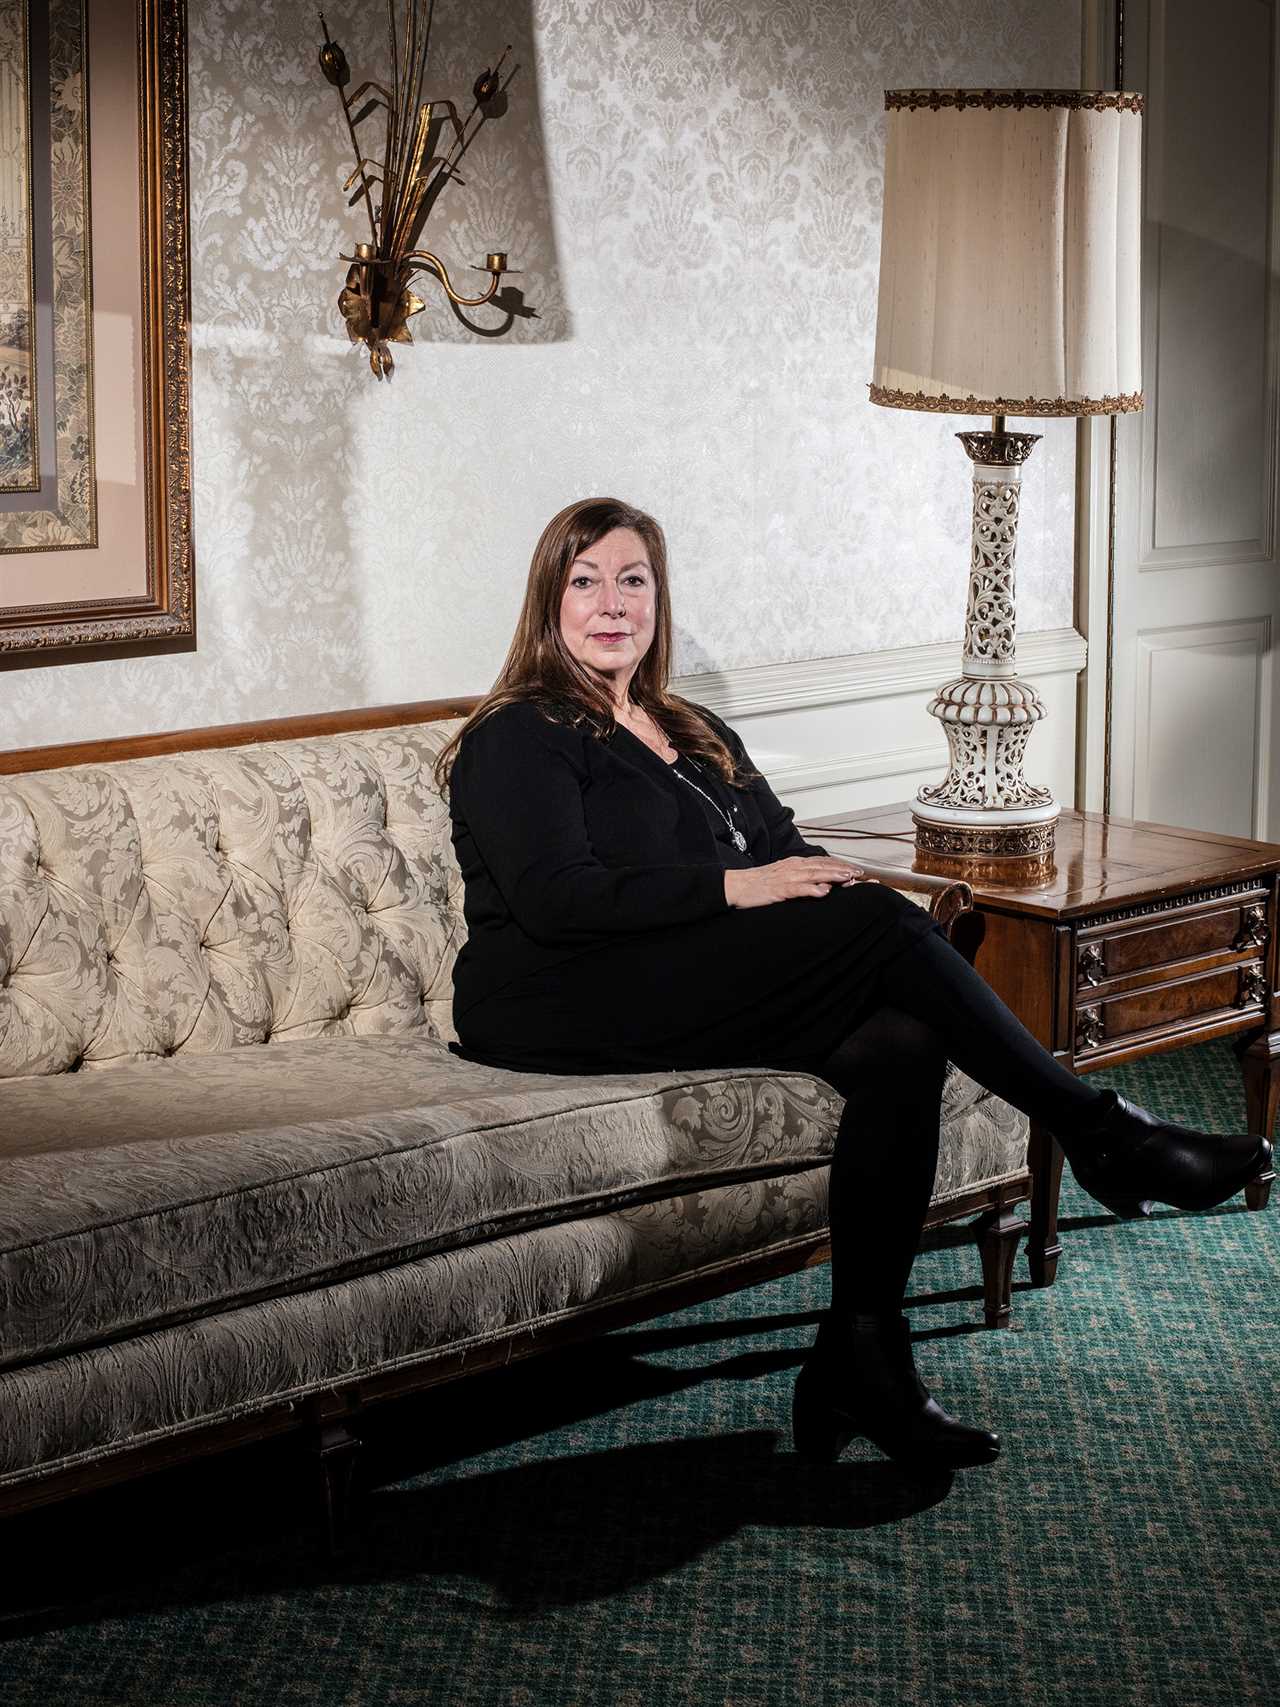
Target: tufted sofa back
{"type": "Point", "coordinates": [208, 899]}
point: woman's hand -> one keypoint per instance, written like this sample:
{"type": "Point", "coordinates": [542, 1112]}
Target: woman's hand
{"type": "Point", "coordinates": [802, 874]}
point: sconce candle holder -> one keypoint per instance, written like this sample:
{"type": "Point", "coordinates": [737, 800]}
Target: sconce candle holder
{"type": "Point", "coordinates": [400, 189]}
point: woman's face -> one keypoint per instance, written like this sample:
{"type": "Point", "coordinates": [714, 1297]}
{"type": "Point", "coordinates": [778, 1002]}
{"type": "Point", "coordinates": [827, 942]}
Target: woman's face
{"type": "Point", "coordinates": [607, 611]}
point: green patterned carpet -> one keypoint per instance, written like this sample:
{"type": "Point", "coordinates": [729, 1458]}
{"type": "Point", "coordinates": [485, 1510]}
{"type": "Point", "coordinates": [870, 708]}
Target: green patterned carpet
{"type": "Point", "coordinates": [626, 1525]}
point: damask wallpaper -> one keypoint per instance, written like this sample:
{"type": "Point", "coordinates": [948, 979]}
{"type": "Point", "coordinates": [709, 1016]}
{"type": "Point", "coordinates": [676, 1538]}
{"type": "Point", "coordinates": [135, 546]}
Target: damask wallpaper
{"type": "Point", "coordinates": [691, 189]}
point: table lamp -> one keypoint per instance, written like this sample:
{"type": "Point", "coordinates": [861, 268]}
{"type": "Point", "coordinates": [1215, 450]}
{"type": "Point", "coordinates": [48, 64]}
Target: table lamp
{"type": "Point", "coordinates": [1008, 286]}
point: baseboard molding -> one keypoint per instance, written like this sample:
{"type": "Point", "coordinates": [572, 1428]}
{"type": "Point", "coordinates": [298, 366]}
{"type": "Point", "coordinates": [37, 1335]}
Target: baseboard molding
{"type": "Point", "coordinates": [762, 688]}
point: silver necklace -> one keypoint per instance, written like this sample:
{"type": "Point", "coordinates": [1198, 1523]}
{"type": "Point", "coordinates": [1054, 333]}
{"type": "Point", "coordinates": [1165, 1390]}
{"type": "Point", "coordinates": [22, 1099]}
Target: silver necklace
{"type": "Point", "coordinates": [736, 835]}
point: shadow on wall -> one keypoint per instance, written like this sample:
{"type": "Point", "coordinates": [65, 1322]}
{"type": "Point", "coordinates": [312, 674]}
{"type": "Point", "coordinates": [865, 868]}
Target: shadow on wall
{"type": "Point", "coordinates": [503, 200]}
{"type": "Point", "coordinates": [694, 659]}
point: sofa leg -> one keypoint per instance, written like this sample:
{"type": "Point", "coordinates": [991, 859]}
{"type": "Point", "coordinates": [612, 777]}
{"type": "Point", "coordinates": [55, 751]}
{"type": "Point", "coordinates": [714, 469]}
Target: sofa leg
{"type": "Point", "coordinates": [1260, 1060]}
{"type": "Point", "coordinates": [335, 1449]}
{"type": "Point", "coordinates": [998, 1235]}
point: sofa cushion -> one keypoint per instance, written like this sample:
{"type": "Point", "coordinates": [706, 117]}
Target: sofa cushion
{"type": "Point", "coordinates": [163, 1190]}
{"type": "Point", "coordinates": [149, 1387]}
{"type": "Point", "coordinates": [139, 1391]}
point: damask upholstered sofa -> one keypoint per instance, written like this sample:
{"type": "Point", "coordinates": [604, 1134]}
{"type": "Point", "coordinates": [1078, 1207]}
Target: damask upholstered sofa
{"type": "Point", "coordinates": [244, 1185]}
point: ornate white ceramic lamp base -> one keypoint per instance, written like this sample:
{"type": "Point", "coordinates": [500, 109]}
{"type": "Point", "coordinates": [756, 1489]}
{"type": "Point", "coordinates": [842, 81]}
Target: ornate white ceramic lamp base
{"type": "Point", "coordinates": [984, 808]}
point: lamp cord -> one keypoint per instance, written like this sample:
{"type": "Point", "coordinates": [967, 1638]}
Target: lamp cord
{"type": "Point", "coordinates": [830, 834]}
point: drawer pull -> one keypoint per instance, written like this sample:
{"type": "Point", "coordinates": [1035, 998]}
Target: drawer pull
{"type": "Point", "coordinates": [1253, 986]}
{"type": "Point", "coordinates": [1090, 1029]}
{"type": "Point", "coordinates": [1092, 965]}
{"type": "Point", "coordinates": [1253, 927]}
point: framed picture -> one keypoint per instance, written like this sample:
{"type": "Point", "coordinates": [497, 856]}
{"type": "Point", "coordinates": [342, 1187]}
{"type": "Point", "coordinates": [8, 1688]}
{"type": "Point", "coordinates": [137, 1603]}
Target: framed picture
{"type": "Point", "coordinates": [95, 464]}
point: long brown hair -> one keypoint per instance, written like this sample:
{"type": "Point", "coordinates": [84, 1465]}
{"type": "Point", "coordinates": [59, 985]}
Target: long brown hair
{"type": "Point", "coordinates": [540, 667]}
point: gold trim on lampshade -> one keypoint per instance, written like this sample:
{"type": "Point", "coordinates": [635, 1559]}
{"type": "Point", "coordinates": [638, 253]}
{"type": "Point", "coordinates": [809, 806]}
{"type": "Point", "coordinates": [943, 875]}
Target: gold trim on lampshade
{"type": "Point", "coordinates": [1093, 100]}
{"type": "Point", "coordinates": [1009, 253]}
{"type": "Point", "coordinates": [944, 405]}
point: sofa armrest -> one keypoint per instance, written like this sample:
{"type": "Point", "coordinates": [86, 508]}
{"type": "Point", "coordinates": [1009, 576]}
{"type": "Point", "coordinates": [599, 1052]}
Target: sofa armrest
{"type": "Point", "coordinates": [945, 898]}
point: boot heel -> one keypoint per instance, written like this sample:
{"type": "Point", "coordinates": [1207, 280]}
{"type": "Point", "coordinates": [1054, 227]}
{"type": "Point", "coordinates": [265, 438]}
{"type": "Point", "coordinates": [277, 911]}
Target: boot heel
{"type": "Point", "coordinates": [1128, 1208]}
{"type": "Point", "coordinates": [1137, 1159]}
{"type": "Point", "coordinates": [860, 1379]}
{"type": "Point", "coordinates": [818, 1432]}
{"type": "Point", "coordinates": [1126, 1204]}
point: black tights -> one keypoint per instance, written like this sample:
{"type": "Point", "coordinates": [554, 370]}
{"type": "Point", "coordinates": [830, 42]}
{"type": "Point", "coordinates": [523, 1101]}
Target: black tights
{"type": "Point", "coordinates": [933, 1007]}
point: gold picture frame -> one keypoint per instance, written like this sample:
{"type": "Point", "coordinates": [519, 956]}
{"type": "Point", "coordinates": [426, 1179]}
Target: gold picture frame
{"type": "Point", "coordinates": [97, 561]}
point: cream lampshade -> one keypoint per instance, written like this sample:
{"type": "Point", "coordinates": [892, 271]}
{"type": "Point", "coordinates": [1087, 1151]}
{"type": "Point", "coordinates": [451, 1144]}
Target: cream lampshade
{"type": "Point", "coordinates": [1009, 285]}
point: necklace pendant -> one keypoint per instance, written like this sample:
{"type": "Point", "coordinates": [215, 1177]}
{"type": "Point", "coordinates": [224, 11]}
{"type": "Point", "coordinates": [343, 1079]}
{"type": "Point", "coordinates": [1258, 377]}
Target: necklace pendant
{"type": "Point", "coordinates": [739, 841]}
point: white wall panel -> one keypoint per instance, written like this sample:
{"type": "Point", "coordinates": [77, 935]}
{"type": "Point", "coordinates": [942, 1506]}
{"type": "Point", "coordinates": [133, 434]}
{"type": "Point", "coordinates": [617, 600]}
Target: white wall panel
{"type": "Point", "coordinates": [1204, 748]}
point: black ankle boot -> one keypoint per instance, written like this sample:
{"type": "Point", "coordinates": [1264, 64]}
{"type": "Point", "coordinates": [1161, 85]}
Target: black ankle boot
{"type": "Point", "coordinates": [860, 1379]}
{"type": "Point", "coordinates": [1131, 1159]}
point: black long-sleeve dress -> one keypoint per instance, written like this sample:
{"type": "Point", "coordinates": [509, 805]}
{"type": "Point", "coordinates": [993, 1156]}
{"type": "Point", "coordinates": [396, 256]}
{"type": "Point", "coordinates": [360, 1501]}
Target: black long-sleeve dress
{"type": "Point", "coordinates": [599, 936]}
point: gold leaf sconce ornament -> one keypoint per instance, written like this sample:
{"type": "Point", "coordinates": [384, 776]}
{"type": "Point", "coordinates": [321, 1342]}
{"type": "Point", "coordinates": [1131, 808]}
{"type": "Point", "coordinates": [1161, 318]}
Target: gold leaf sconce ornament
{"type": "Point", "coordinates": [423, 141]}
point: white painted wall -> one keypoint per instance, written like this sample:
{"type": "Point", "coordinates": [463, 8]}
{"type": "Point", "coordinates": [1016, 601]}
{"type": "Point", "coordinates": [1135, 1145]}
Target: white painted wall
{"type": "Point", "coordinates": [691, 188]}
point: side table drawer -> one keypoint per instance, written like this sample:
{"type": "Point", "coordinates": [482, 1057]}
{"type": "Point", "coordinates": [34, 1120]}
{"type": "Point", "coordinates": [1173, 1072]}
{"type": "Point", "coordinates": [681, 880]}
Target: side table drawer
{"type": "Point", "coordinates": [1232, 926]}
{"type": "Point", "coordinates": [1167, 1006]}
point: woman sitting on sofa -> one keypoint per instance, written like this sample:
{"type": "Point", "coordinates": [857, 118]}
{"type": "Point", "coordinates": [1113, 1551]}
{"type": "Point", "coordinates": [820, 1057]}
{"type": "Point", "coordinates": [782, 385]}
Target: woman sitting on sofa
{"type": "Point", "coordinates": [636, 896]}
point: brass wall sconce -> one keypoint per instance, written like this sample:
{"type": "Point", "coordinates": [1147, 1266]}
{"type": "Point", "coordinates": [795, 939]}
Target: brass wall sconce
{"type": "Point", "coordinates": [400, 189]}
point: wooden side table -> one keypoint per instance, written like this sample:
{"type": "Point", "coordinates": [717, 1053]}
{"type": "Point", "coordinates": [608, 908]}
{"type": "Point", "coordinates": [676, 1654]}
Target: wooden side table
{"type": "Point", "coordinates": [1143, 938]}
